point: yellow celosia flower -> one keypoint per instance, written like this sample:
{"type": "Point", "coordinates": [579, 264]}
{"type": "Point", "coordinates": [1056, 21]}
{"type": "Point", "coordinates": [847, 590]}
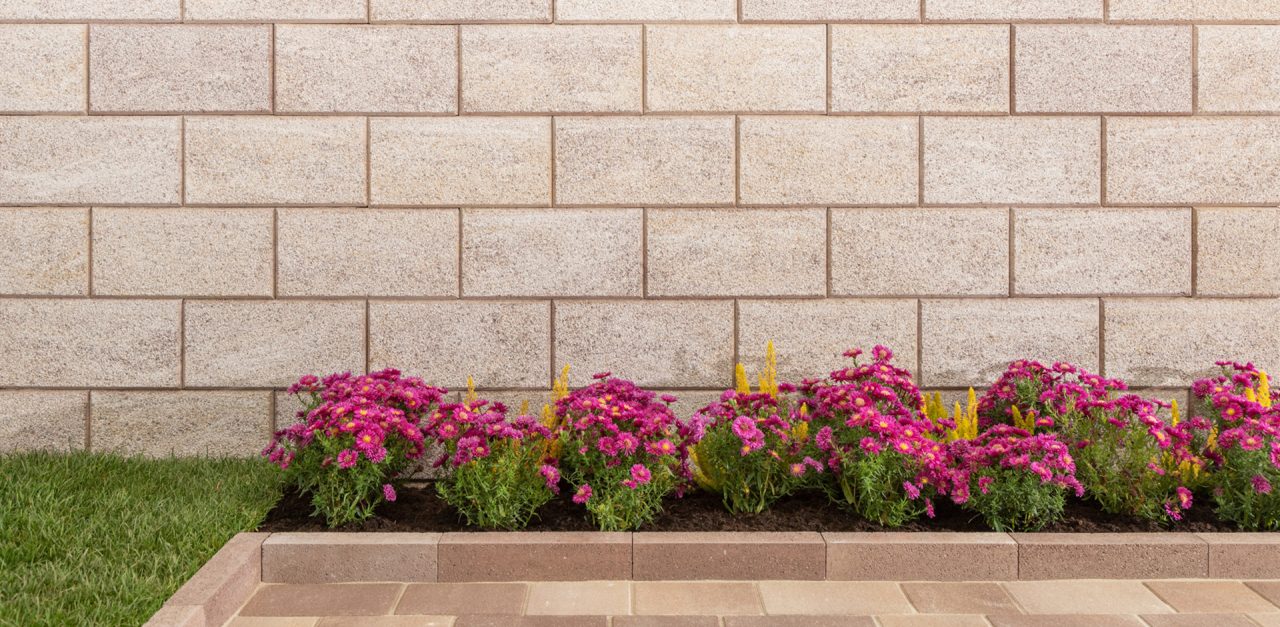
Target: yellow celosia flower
{"type": "Point", "coordinates": [471, 390]}
{"type": "Point", "coordinates": [524, 407]}
{"type": "Point", "coordinates": [1174, 415]}
{"type": "Point", "coordinates": [1251, 395]}
{"type": "Point", "coordinates": [1264, 389]}
{"type": "Point", "coordinates": [560, 387]}
{"type": "Point", "coordinates": [769, 378]}
{"type": "Point", "coordinates": [741, 384]}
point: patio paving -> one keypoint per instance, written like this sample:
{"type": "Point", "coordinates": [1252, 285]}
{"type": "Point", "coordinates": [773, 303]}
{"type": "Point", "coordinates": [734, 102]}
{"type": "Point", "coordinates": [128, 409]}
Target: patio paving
{"type": "Point", "coordinates": [1090, 603]}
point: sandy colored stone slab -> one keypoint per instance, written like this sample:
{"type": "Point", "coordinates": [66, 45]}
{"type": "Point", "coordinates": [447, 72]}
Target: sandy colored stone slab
{"type": "Point", "coordinates": [1235, 74]}
{"type": "Point", "coordinates": [551, 69]}
{"type": "Point", "coordinates": [1243, 555]}
{"type": "Point", "coordinates": [809, 598]}
{"type": "Point", "coordinates": [1207, 597]}
{"type": "Point", "coordinates": [1067, 620]}
{"type": "Point", "coordinates": [888, 556]}
{"type": "Point", "coordinates": [1014, 10]}
{"type": "Point", "coordinates": [90, 160]}
{"type": "Point", "coordinates": [91, 10]}
{"type": "Point", "coordinates": [666, 598]}
{"type": "Point", "coordinates": [960, 598]}
{"type": "Point", "coordinates": [736, 68]}
{"type": "Point", "coordinates": [811, 336]}
{"type": "Point", "coordinates": [45, 67]}
{"type": "Point", "coordinates": [276, 10]}
{"type": "Point", "coordinates": [1110, 555]}
{"type": "Point", "coordinates": [461, 161]}
{"type": "Point", "coordinates": [930, 620]}
{"type": "Point", "coordinates": [578, 598]}
{"type": "Point", "coordinates": [349, 557]}
{"type": "Point", "coordinates": [675, 556]}
{"type": "Point", "coordinates": [182, 424]}
{"type": "Point", "coordinates": [646, 10]}
{"type": "Point", "coordinates": [803, 160]}
{"type": "Point", "coordinates": [1194, 10]}
{"type": "Point", "coordinates": [226, 581]}
{"type": "Point", "coordinates": [40, 420]}
{"type": "Point", "coordinates": [501, 599]}
{"type": "Point", "coordinates": [182, 252]}
{"type": "Point", "coordinates": [1097, 597]}
{"type": "Point", "coordinates": [325, 599]}
{"type": "Point", "coordinates": [54, 245]}
{"type": "Point", "coordinates": [461, 10]}
{"type": "Point", "coordinates": [905, 68]}
{"type": "Point", "coordinates": [829, 10]}
{"type": "Point", "coordinates": [535, 556]}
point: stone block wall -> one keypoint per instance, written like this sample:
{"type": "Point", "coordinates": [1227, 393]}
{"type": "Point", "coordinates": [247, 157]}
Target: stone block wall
{"type": "Point", "coordinates": [201, 200]}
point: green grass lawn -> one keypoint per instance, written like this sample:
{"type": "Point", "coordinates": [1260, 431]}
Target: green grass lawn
{"type": "Point", "coordinates": [91, 539]}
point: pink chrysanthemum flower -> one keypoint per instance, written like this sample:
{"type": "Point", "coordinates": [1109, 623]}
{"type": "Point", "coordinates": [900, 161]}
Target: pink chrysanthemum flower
{"type": "Point", "coordinates": [583, 494]}
{"type": "Point", "coordinates": [389, 492]}
{"type": "Point", "coordinates": [640, 473]}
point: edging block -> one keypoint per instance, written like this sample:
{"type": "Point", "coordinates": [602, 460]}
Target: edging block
{"type": "Point", "coordinates": [928, 556]}
{"type": "Point", "coordinates": [535, 556]}
{"type": "Point", "coordinates": [1243, 555]}
{"type": "Point", "coordinates": [214, 594]}
{"type": "Point", "coordinates": [728, 556]}
{"type": "Point", "coordinates": [349, 557]}
{"type": "Point", "coordinates": [1111, 556]}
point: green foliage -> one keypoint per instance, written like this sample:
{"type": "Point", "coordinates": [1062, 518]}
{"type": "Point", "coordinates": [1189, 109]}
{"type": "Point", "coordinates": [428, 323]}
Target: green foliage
{"type": "Point", "coordinates": [748, 483]}
{"type": "Point", "coordinates": [501, 491]}
{"type": "Point", "coordinates": [871, 486]}
{"type": "Point", "coordinates": [1236, 493]}
{"type": "Point", "coordinates": [1016, 500]}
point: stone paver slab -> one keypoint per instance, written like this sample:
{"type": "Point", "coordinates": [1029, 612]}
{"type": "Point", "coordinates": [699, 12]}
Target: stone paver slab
{"type": "Point", "coordinates": [1198, 620]}
{"type": "Point", "coordinates": [960, 598]}
{"type": "Point", "coordinates": [1207, 597]}
{"type": "Point", "coordinates": [1066, 620]}
{"type": "Point", "coordinates": [932, 620]}
{"type": "Point", "coordinates": [353, 599]}
{"type": "Point", "coordinates": [1098, 597]}
{"type": "Point", "coordinates": [531, 621]}
{"type": "Point", "coordinates": [666, 621]}
{"type": "Point", "coordinates": [832, 597]}
{"type": "Point", "coordinates": [1268, 589]}
{"type": "Point", "coordinates": [461, 598]}
{"type": "Point", "coordinates": [579, 598]}
{"type": "Point", "coordinates": [678, 597]}
{"type": "Point", "coordinates": [799, 621]}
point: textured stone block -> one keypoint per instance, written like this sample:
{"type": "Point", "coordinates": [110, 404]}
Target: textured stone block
{"type": "Point", "coordinates": [1014, 10]}
{"type": "Point", "coordinates": [182, 252]}
{"type": "Point", "coordinates": [646, 10]}
{"type": "Point", "coordinates": [505, 345]}
{"type": "Point", "coordinates": [921, 556]}
{"type": "Point", "coordinates": [826, 160]}
{"type": "Point", "coordinates": [1088, 68]}
{"type": "Point", "coordinates": [260, 160]}
{"type": "Point", "coordinates": [970, 342]}
{"type": "Point", "coordinates": [85, 160]}
{"type": "Point", "coordinates": [461, 10]}
{"type": "Point", "coordinates": [829, 10]}
{"type": "Point", "coordinates": [1194, 10]}
{"type": "Point", "coordinates": [368, 252]}
{"type": "Point", "coordinates": [552, 69]}
{"type": "Point", "coordinates": [54, 257]}
{"type": "Point", "coordinates": [1218, 160]}
{"type": "Point", "coordinates": [1003, 160]}
{"type": "Point", "coordinates": [1172, 342]}
{"type": "Point", "coordinates": [644, 160]}
{"type": "Point", "coordinates": [1237, 254]}
{"type": "Point", "coordinates": [349, 557]}
{"type": "Point", "coordinates": [221, 68]}
{"type": "Point", "coordinates": [1236, 68]}
{"type": "Point", "coordinates": [91, 10]}
{"type": "Point", "coordinates": [461, 161]}
{"type": "Point", "coordinates": [226, 581]}
{"type": "Point", "coordinates": [552, 252]}
{"type": "Point", "coordinates": [737, 252]}
{"type": "Point", "coordinates": [905, 68]}
{"type": "Point", "coordinates": [380, 69]}
{"type": "Point", "coordinates": [1102, 251]}
{"type": "Point", "coordinates": [736, 68]}
{"type": "Point", "coordinates": [1111, 556]}
{"type": "Point", "coordinates": [160, 424]}
{"type": "Point", "coordinates": [810, 337]}
{"type": "Point", "coordinates": [535, 556]}
{"type": "Point", "coordinates": [271, 343]}
{"type": "Point", "coordinates": [89, 343]}
{"type": "Point", "coordinates": [39, 420]}
{"type": "Point", "coordinates": [276, 10]}
{"type": "Point", "coordinates": [725, 555]}
{"type": "Point", "coordinates": [943, 252]}
{"type": "Point", "coordinates": [45, 67]}
{"type": "Point", "coordinates": [654, 343]}
{"type": "Point", "coordinates": [1243, 555]}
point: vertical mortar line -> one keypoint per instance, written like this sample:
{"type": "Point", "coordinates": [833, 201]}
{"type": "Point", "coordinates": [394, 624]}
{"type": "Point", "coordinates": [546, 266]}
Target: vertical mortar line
{"type": "Point", "coordinates": [551, 335]}
{"type": "Point", "coordinates": [368, 161]}
{"type": "Point", "coordinates": [736, 357]}
{"type": "Point", "coordinates": [1013, 251]}
{"type": "Point", "coordinates": [920, 161]}
{"type": "Point", "coordinates": [1102, 336]}
{"type": "Point", "coordinates": [1195, 69]}
{"type": "Point", "coordinates": [1106, 11]}
{"type": "Point", "coordinates": [182, 160]}
{"type": "Point", "coordinates": [922, 11]}
{"type": "Point", "coordinates": [1102, 162]}
{"type": "Point", "coordinates": [739, 11]}
{"type": "Point", "coordinates": [1195, 251]}
{"type": "Point", "coordinates": [1013, 54]}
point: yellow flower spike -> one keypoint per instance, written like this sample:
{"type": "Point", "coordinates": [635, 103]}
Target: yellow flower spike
{"type": "Point", "coordinates": [1251, 395]}
{"type": "Point", "coordinates": [741, 384]}
{"type": "Point", "coordinates": [1174, 415]}
{"type": "Point", "coordinates": [560, 387]}
{"type": "Point", "coordinates": [769, 378]}
{"type": "Point", "coordinates": [524, 407]}
{"type": "Point", "coordinates": [1212, 444]}
{"type": "Point", "coordinates": [1264, 389]}
{"type": "Point", "coordinates": [471, 390]}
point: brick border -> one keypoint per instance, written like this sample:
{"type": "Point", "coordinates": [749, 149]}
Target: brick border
{"type": "Point", "coordinates": [217, 591]}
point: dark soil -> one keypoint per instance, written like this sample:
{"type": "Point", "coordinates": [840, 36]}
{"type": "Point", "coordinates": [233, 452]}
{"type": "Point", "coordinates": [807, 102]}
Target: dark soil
{"type": "Point", "coordinates": [420, 509]}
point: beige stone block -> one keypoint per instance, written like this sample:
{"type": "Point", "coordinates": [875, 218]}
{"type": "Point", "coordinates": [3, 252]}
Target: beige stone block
{"type": "Point", "coordinates": [1237, 68]}
{"type": "Point", "coordinates": [461, 161]}
{"type": "Point", "coordinates": [646, 10]}
{"type": "Point", "coordinates": [91, 10]}
{"type": "Point", "coordinates": [644, 160]}
{"type": "Point", "coordinates": [163, 68]}
{"type": "Point", "coordinates": [85, 160]}
{"type": "Point", "coordinates": [810, 337]}
{"type": "Point", "coordinates": [465, 11]}
{"type": "Point", "coordinates": [654, 343]}
{"type": "Point", "coordinates": [736, 68]}
{"type": "Point", "coordinates": [182, 252]}
{"type": "Point", "coordinates": [184, 424]}
{"type": "Point", "coordinates": [1014, 10]}
{"type": "Point", "coordinates": [1158, 342]}
{"type": "Point", "coordinates": [368, 252]}
{"type": "Point", "coordinates": [1095, 68]}
{"type": "Point", "coordinates": [1060, 556]}
{"type": "Point", "coordinates": [271, 343]}
{"type": "Point", "coordinates": [44, 69]}
{"type": "Point", "coordinates": [906, 68]}
{"type": "Point", "coordinates": [89, 343]}
{"type": "Point", "coordinates": [276, 10]}
{"type": "Point", "coordinates": [54, 257]}
{"type": "Point", "coordinates": [992, 160]}
{"type": "Point", "coordinates": [1194, 10]}
{"type": "Point", "coordinates": [310, 558]}
{"type": "Point", "coordinates": [552, 252]}
{"type": "Point", "coordinates": [1102, 251]}
{"type": "Point", "coordinates": [1217, 160]}
{"type": "Point", "coordinates": [921, 556]}
{"type": "Point", "coordinates": [551, 69]}
{"type": "Point", "coordinates": [970, 342]}
{"type": "Point", "coordinates": [828, 160]}
{"type": "Point", "coordinates": [737, 252]}
{"type": "Point", "coordinates": [498, 344]}
{"type": "Point", "coordinates": [1238, 252]}
{"type": "Point", "coordinates": [829, 10]}
{"type": "Point", "coordinates": [43, 420]}
{"type": "Point", "coordinates": [941, 252]}
{"type": "Point", "coordinates": [1100, 597]}
{"type": "Point", "coordinates": [260, 160]}
{"type": "Point", "coordinates": [354, 68]}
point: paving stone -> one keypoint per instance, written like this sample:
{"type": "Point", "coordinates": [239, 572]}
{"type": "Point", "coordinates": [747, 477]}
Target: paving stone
{"type": "Point", "coordinates": [932, 620]}
{"type": "Point", "coordinates": [578, 598]}
{"type": "Point", "coordinates": [1066, 620]}
{"type": "Point", "coordinates": [182, 424]}
{"type": "Point", "coordinates": [1014, 10]}
{"type": "Point", "coordinates": [386, 621]}
{"type": "Point", "coordinates": [960, 598]}
{"type": "Point", "coordinates": [1068, 597]}
{"type": "Point", "coordinates": [833, 597]}
{"type": "Point", "coordinates": [535, 556]}
{"type": "Point", "coordinates": [1210, 597]}
{"type": "Point", "coordinates": [55, 251]}
{"type": "Point", "coordinates": [646, 10]}
{"type": "Point", "coordinates": [269, 621]}
{"type": "Point", "coordinates": [91, 10]}
{"type": "Point", "coordinates": [829, 10]}
{"type": "Point", "coordinates": [679, 597]}
{"type": "Point", "coordinates": [1233, 72]}
{"type": "Point", "coordinates": [888, 556]}
{"type": "Point", "coordinates": [1222, 235]}
{"type": "Point", "coordinates": [308, 558]}
{"type": "Point", "coordinates": [276, 10]}
{"type": "Point", "coordinates": [461, 598]}
{"type": "Point", "coordinates": [223, 584]}
{"type": "Point", "coordinates": [1266, 620]}
{"type": "Point", "coordinates": [1269, 590]}
{"type": "Point", "coordinates": [728, 556]}
{"type": "Point", "coordinates": [665, 621]}
{"type": "Point", "coordinates": [461, 10]}
{"type": "Point", "coordinates": [330, 599]}
{"type": "Point", "coordinates": [531, 621]}
{"type": "Point", "coordinates": [1110, 555]}
{"type": "Point", "coordinates": [38, 420]}
{"type": "Point", "coordinates": [1199, 10]}
{"type": "Point", "coordinates": [45, 70]}
{"type": "Point", "coordinates": [1198, 620]}
{"type": "Point", "coordinates": [1243, 555]}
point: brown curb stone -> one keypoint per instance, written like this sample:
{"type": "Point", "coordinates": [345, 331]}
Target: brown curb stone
{"type": "Point", "coordinates": [1111, 556]}
{"type": "Point", "coordinates": [226, 581]}
{"type": "Point", "coordinates": [931, 556]}
{"type": "Point", "coordinates": [349, 557]}
{"type": "Point", "coordinates": [535, 556]}
{"type": "Point", "coordinates": [1243, 555]}
{"type": "Point", "coordinates": [725, 555]}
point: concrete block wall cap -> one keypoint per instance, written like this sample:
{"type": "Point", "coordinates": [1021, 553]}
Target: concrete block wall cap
{"type": "Point", "coordinates": [1112, 556]}
{"type": "Point", "coordinates": [728, 556]}
{"type": "Point", "coordinates": [305, 558]}
{"type": "Point", "coordinates": [1243, 555]}
{"type": "Point", "coordinates": [913, 537]}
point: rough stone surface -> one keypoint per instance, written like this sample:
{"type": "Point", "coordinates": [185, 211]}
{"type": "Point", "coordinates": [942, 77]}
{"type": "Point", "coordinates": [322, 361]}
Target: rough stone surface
{"type": "Point", "coordinates": [1235, 74]}
{"type": "Point", "coordinates": [828, 10]}
{"type": "Point", "coordinates": [368, 252]}
{"type": "Point", "coordinates": [1238, 252]}
{"type": "Point", "coordinates": [736, 68]}
{"type": "Point", "coordinates": [1019, 10]}
{"type": "Point", "coordinates": [646, 10]}
{"type": "Point", "coordinates": [44, 69]}
{"type": "Point", "coordinates": [654, 343]}
{"type": "Point", "coordinates": [82, 10]}
{"type": "Point", "coordinates": [381, 69]}
{"type": "Point", "coordinates": [921, 556]}
{"type": "Point", "coordinates": [644, 160]}
{"type": "Point", "coordinates": [552, 252]}
{"type": "Point", "coordinates": [185, 424]}
{"type": "Point", "coordinates": [38, 420]}
{"type": "Point", "coordinates": [461, 161]}
{"type": "Point", "coordinates": [223, 68]}
{"type": "Point", "coordinates": [737, 252]}
{"type": "Point", "coordinates": [827, 160]}
{"type": "Point", "coordinates": [503, 345]}
{"type": "Point", "coordinates": [1188, 10]}
{"type": "Point", "coordinates": [1002, 160]}
{"type": "Point", "coordinates": [721, 556]}
{"type": "Point", "coordinates": [271, 343]}
{"type": "Point", "coordinates": [349, 557]}
{"type": "Point", "coordinates": [54, 258]}
{"type": "Point", "coordinates": [182, 252]}
{"type": "Point", "coordinates": [905, 68]}
{"type": "Point", "coordinates": [535, 556]}
{"type": "Point", "coordinates": [461, 10]}
{"type": "Point", "coordinates": [276, 10]}
{"type": "Point", "coordinates": [1081, 68]}
{"type": "Point", "coordinates": [898, 252]}
{"type": "Point", "coordinates": [1111, 556]}
{"type": "Point", "coordinates": [551, 69]}
{"type": "Point", "coordinates": [1243, 555]}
